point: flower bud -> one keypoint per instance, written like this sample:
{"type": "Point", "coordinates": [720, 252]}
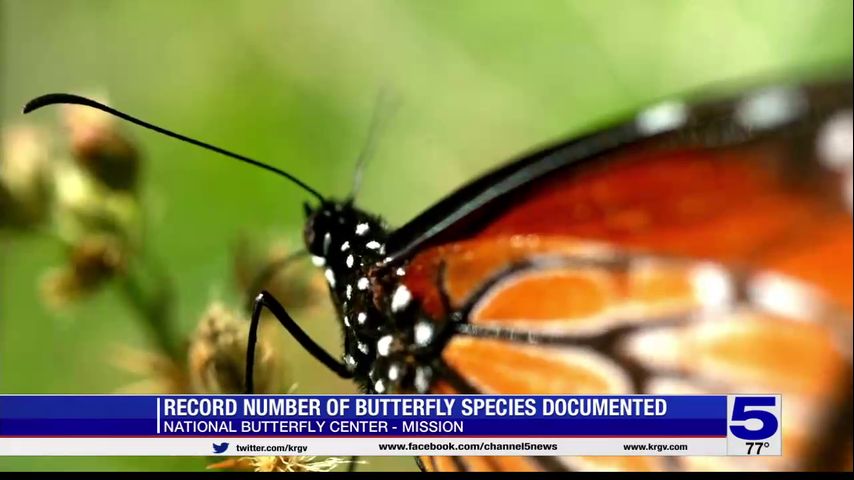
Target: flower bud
{"type": "Point", "coordinates": [91, 262]}
{"type": "Point", "coordinates": [97, 258]}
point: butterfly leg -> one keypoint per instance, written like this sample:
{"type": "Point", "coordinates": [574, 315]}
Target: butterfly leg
{"type": "Point", "coordinates": [267, 273]}
{"type": "Point", "coordinates": [264, 299]}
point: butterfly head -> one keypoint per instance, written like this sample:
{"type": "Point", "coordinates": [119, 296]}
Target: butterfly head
{"type": "Point", "coordinates": [337, 234]}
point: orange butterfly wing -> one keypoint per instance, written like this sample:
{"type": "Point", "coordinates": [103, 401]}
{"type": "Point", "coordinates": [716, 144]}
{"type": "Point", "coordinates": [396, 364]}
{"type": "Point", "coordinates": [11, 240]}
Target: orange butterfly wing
{"type": "Point", "coordinates": [659, 268]}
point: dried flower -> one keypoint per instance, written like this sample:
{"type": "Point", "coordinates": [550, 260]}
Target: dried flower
{"type": "Point", "coordinates": [91, 262]}
{"type": "Point", "coordinates": [97, 258]}
{"type": "Point", "coordinates": [217, 355]}
{"type": "Point", "coordinates": [101, 148]}
{"type": "Point", "coordinates": [280, 464]}
{"type": "Point", "coordinates": [25, 174]}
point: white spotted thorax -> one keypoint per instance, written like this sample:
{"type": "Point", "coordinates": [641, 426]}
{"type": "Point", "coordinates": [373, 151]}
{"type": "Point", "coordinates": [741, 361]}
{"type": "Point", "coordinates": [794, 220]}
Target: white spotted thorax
{"type": "Point", "coordinates": [388, 345]}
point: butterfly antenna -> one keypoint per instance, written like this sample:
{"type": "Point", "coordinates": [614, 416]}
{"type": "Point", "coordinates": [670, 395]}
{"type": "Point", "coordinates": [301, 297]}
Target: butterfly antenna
{"type": "Point", "coordinates": [380, 114]}
{"type": "Point", "coordinates": [65, 98]}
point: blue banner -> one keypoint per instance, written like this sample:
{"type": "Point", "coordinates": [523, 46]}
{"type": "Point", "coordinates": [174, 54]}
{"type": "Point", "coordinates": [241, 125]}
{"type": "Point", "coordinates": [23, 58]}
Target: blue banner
{"type": "Point", "coordinates": [363, 416]}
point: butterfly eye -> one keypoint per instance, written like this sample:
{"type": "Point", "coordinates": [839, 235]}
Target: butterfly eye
{"type": "Point", "coordinates": [317, 234]}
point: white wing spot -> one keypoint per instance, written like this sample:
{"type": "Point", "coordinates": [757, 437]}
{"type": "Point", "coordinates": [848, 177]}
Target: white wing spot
{"type": "Point", "coordinates": [349, 291]}
{"type": "Point", "coordinates": [330, 277]}
{"type": "Point", "coordinates": [712, 286]}
{"type": "Point", "coordinates": [400, 272]}
{"type": "Point", "coordinates": [784, 296]}
{"type": "Point", "coordinates": [345, 246]}
{"type": "Point", "coordinates": [346, 321]}
{"type": "Point", "coordinates": [373, 245]}
{"type": "Point", "coordinates": [771, 108]}
{"type": "Point", "coordinates": [363, 283]}
{"type": "Point", "coordinates": [401, 298]}
{"type": "Point", "coordinates": [363, 347]}
{"type": "Point", "coordinates": [318, 261]}
{"type": "Point", "coordinates": [362, 317]}
{"type": "Point", "coordinates": [349, 261]}
{"type": "Point", "coordinates": [362, 229]}
{"type": "Point", "coordinates": [663, 117]}
{"type": "Point", "coordinates": [836, 152]}
{"type": "Point", "coordinates": [835, 142]}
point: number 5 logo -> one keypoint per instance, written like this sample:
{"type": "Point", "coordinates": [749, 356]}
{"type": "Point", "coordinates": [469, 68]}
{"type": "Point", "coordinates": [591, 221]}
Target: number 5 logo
{"type": "Point", "coordinates": [743, 410]}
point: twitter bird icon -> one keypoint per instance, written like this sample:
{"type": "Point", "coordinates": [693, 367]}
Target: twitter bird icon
{"type": "Point", "coordinates": [220, 448]}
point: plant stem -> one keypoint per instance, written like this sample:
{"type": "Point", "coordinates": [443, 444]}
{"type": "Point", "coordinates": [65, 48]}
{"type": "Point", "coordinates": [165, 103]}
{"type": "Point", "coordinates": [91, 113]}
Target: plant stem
{"type": "Point", "coordinates": [152, 298]}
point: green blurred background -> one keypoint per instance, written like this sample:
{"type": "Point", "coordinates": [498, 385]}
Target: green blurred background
{"type": "Point", "coordinates": [294, 83]}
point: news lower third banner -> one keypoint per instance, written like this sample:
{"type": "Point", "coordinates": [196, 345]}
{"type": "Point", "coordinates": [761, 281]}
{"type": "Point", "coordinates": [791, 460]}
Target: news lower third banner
{"type": "Point", "coordinates": [245, 425]}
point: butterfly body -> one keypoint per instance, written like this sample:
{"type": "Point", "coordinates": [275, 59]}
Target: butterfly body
{"type": "Point", "coordinates": [386, 346]}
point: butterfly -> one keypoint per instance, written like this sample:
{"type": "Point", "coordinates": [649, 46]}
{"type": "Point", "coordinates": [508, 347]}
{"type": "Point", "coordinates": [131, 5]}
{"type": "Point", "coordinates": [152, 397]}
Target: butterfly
{"type": "Point", "coordinates": [696, 246]}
